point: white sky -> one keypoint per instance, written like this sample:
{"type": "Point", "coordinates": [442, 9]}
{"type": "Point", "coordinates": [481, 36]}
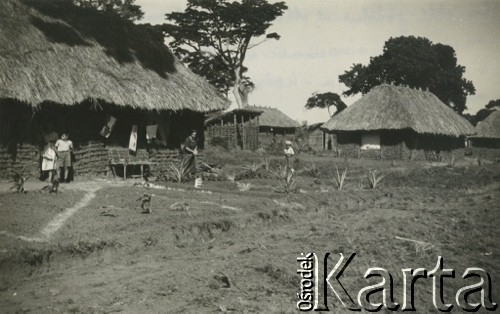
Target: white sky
{"type": "Point", "coordinates": [321, 39]}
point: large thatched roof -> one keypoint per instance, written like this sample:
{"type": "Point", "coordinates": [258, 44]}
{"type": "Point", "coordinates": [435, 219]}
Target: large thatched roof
{"type": "Point", "coordinates": [489, 127]}
{"type": "Point", "coordinates": [273, 118]}
{"type": "Point", "coordinates": [388, 107]}
{"type": "Point", "coordinates": [51, 50]}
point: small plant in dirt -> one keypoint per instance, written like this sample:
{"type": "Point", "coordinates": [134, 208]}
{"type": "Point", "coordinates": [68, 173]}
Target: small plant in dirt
{"type": "Point", "coordinates": [176, 173]}
{"type": "Point", "coordinates": [266, 162]}
{"type": "Point", "coordinates": [252, 167]}
{"type": "Point", "coordinates": [19, 179]}
{"type": "Point", "coordinates": [375, 178]}
{"type": "Point", "coordinates": [286, 179]}
{"type": "Point", "coordinates": [339, 179]}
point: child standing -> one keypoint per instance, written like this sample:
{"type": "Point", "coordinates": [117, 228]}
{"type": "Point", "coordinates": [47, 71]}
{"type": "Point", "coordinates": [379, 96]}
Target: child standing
{"type": "Point", "coordinates": [49, 158]}
{"type": "Point", "coordinates": [64, 147]}
{"type": "Point", "coordinates": [289, 152]}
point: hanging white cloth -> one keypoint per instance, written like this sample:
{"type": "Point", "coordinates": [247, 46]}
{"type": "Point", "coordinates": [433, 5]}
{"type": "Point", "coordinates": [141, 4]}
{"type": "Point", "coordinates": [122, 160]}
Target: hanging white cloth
{"type": "Point", "coordinates": [151, 132]}
{"type": "Point", "coordinates": [108, 127]}
{"type": "Point", "coordinates": [132, 144]}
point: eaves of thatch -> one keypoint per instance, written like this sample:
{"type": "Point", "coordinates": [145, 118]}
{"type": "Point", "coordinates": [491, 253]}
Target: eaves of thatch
{"type": "Point", "coordinates": [315, 126]}
{"type": "Point", "coordinates": [388, 107]}
{"type": "Point", "coordinates": [228, 115]}
{"type": "Point", "coordinates": [489, 127]}
{"type": "Point", "coordinates": [273, 118]}
{"type": "Point", "coordinates": [53, 51]}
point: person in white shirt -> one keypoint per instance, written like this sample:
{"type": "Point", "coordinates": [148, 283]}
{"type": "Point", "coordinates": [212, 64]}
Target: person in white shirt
{"type": "Point", "coordinates": [289, 152]}
{"type": "Point", "coordinates": [64, 147]}
{"type": "Point", "coordinates": [49, 158]}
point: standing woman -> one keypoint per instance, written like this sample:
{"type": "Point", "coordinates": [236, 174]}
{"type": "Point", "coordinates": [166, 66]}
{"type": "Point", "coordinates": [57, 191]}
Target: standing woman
{"type": "Point", "coordinates": [190, 152]}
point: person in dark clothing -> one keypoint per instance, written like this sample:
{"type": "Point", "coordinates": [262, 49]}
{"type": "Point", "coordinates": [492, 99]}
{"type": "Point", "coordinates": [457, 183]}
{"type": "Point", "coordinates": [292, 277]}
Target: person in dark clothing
{"type": "Point", "coordinates": [190, 152]}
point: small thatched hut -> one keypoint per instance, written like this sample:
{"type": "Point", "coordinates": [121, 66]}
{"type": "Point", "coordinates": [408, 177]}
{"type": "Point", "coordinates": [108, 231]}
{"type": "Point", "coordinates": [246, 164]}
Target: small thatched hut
{"type": "Point", "coordinates": [69, 69]}
{"type": "Point", "coordinates": [274, 127]}
{"type": "Point", "coordinates": [275, 122]}
{"type": "Point", "coordinates": [235, 128]}
{"type": "Point", "coordinates": [398, 122]}
{"type": "Point", "coordinates": [318, 139]}
{"type": "Point", "coordinates": [488, 132]}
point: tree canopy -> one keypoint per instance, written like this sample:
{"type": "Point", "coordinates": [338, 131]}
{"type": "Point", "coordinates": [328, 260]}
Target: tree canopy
{"type": "Point", "coordinates": [213, 37]}
{"type": "Point", "coordinates": [124, 8]}
{"type": "Point", "coordinates": [415, 62]}
{"type": "Point", "coordinates": [326, 100]}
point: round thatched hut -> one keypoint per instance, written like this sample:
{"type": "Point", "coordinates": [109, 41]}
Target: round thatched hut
{"type": "Point", "coordinates": [398, 122]}
{"type": "Point", "coordinates": [488, 132]}
{"type": "Point", "coordinates": [70, 69]}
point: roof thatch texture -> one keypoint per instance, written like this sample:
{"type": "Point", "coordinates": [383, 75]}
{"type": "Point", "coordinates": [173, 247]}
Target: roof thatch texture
{"type": "Point", "coordinates": [315, 126]}
{"type": "Point", "coordinates": [229, 115]}
{"type": "Point", "coordinates": [489, 127]}
{"type": "Point", "coordinates": [272, 117]}
{"type": "Point", "coordinates": [388, 107]}
{"type": "Point", "coordinates": [57, 52]}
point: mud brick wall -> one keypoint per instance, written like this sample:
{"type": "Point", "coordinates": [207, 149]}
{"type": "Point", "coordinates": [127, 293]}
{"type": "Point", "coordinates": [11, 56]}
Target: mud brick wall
{"type": "Point", "coordinates": [91, 159]}
{"type": "Point", "coordinates": [348, 150]}
{"type": "Point", "coordinates": [492, 154]}
{"type": "Point", "coordinates": [163, 158]}
{"type": "Point", "coordinates": [244, 136]}
{"type": "Point", "coordinates": [315, 140]}
{"type": "Point", "coordinates": [223, 133]}
{"type": "Point", "coordinates": [250, 136]}
{"type": "Point", "coordinates": [25, 159]}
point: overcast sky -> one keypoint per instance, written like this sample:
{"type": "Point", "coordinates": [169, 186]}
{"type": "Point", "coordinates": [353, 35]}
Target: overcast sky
{"type": "Point", "coordinates": [321, 39]}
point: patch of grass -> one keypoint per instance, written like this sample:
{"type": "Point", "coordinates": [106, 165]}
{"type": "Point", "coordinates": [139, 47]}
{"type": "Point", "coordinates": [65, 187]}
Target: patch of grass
{"type": "Point", "coordinates": [339, 180]}
{"type": "Point", "coordinates": [375, 178]}
{"type": "Point", "coordinates": [176, 173]}
{"type": "Point", "coordinates": [286, 180]}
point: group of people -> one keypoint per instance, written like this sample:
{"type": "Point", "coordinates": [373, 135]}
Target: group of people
{"type": "Point", "coordinates": [190, 150]}
{"type": "Point", "coordinates": [56, 155]}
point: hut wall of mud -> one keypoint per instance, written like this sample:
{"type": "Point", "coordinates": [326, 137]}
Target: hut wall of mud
{"type": "Point", "coordinates": [405, 145]}
{"type": "Point", "coordinates": [21, 158]}
{"type": "Point", "coordinates": [244, 136]}
{"type": "Point", "coordinates": [317, 140]}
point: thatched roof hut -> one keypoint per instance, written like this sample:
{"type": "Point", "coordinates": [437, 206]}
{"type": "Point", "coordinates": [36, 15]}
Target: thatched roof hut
{"type": "Point", "coordinates": [396, 122]}
{"type": "Point", "coordinates": [272, 118]}
{"type": "Point", "coordinates": [388, 107]}
{"type": "Point", "coordinates": [65, 68]}
{"type": "Point", "coordinates": [236, 115]}
{"type": "Point", "coordinates": [488, 132]}
{"type": "Point", "coordinates": [53, 51]}
{"type": "Point", "coordinates": [489, 127]}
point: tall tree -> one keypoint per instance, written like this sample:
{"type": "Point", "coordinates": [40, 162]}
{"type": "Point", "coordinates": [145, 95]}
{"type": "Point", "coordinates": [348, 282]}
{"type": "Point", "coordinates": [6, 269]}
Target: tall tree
{"type": "Point", "coordinates": [326, 100]}
{"type": "Point", "coordinates": [213, 37]}
{"type": "Point", "coordinates": [124, 8]}
{"type": "Point", "coordinates": [414, 62]}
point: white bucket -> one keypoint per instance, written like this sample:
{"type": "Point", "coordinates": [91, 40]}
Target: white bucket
{"type": "Point", "coordinates": [198, 183]}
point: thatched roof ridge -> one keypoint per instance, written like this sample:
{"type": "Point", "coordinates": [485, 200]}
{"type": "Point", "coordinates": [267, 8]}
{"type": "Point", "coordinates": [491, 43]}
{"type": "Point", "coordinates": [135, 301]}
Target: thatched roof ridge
{"type": "Point", "coordinates": [315, 126]}
{"type": "Point", "coordinates": [388, 107]}
{"type": "Point", "coordinates": [247, 111]}
{"type": "Point", "coordinates": [53, 51]}
{"type": "Point", "coordinates": [274, 118]}
{"type": "Point", "coordinates": [489, 127]}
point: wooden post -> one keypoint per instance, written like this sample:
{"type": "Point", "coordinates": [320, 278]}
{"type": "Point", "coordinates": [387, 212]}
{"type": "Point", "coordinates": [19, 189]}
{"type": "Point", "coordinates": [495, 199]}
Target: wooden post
{"type": "Point", "coordinates": [243, 133]}
{"type": "Point", "coordinates": [235, 130]}
{"type": "Point", "coordinates": [258, 133]}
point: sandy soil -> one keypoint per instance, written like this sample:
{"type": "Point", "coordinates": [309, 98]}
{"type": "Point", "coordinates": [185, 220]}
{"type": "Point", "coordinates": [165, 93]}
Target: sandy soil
{"type": "Point", "coordinates": [224, 250]}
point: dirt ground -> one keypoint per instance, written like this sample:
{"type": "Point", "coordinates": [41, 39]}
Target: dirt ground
{"type": "Point", "coordinates": [89, 249]}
